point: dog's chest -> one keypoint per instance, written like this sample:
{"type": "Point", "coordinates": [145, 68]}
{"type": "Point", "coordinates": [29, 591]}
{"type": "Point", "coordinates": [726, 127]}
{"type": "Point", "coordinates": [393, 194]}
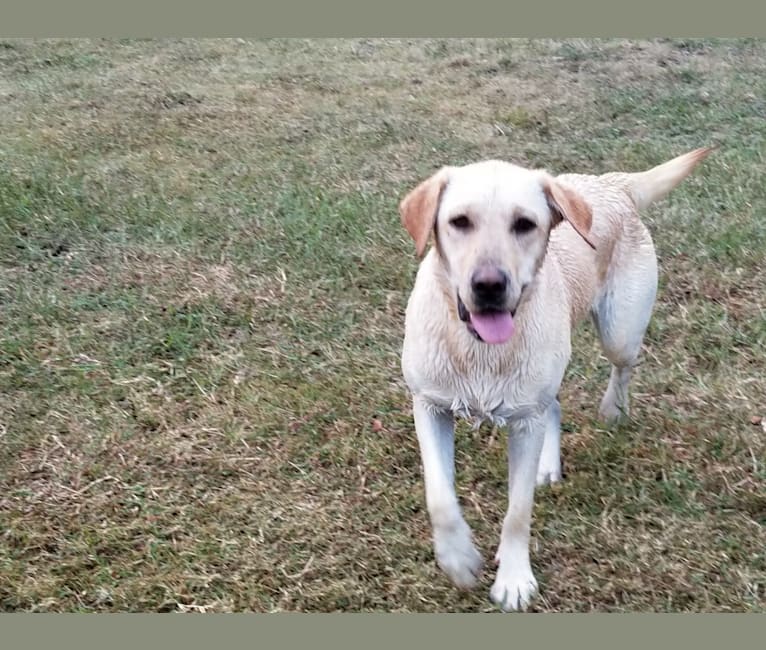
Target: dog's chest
{"type": "Point", "coordinates": [497, 400]}
{"type": "Point", "coordinates": [497, 413]}
{"type": "Point", "coordinates": [491, 385]}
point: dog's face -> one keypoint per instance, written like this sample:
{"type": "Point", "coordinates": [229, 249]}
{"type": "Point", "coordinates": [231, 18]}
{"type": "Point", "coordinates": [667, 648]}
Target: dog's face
{"type": "Point", "coordinates": [491, 222]}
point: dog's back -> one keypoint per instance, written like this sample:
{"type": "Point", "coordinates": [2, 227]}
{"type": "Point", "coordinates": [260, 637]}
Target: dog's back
{"type": "Point", "coordinates": [616, 200]}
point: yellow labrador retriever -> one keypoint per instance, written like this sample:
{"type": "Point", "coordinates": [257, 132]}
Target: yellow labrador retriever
{"type": "Point", "coordinates": [518, 258]}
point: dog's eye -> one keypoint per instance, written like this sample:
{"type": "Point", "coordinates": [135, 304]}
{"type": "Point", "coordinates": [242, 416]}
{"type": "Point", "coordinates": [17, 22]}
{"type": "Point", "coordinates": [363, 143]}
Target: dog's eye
{"type": "Point", "coordinates": [523, 225]}
{"type": "Point", "coordinates": [461, 223]}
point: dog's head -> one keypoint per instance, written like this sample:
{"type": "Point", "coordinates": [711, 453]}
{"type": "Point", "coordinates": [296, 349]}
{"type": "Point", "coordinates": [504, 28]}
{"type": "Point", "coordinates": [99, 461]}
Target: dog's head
{"type": "Point", "coordinates": [491, 223]}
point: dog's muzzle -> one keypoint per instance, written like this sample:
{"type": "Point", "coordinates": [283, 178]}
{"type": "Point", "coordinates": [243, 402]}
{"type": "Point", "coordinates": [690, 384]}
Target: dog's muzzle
{"type": "Point", "coordinates": [487, 325]}
{"type": "Point", "coordinates": [482, 316]}
{"type": "Point", "coordinates": [489, 288]}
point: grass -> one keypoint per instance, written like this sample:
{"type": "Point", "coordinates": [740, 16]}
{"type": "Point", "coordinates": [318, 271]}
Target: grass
{"type": "Point", "coordinates": [202, 286]}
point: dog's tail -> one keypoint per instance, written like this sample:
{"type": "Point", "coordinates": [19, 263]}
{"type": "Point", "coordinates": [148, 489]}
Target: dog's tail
{"type": "Point", "coordinates": [652, 185]}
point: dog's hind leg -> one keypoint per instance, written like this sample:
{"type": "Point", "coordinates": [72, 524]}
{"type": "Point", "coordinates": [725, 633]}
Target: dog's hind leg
{"type": "Point", "coordinates": [622, 314]}
{"type": "Point", "coordinates": [549, 467]}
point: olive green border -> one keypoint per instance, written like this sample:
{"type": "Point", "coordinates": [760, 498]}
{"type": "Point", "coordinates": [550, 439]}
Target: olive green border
{"type": "Point", "coordinates": [291, 18]}
{"type": "Point", "coordinates": [410, 18]}
{"type": "Point", "coordinates": [371, 631]}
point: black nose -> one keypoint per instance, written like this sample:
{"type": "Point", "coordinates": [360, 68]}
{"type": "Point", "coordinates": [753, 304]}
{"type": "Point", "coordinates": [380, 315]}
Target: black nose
{"type": "Point", "coordinates": [489, 285]}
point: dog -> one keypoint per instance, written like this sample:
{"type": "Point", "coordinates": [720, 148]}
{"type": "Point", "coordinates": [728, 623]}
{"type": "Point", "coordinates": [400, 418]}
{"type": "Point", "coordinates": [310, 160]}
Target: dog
{"type": "Point", "coordinates": [518, 258]}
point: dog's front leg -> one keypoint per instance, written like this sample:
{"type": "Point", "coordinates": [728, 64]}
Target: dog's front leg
{"type": "Point", "coordinates": [454, 549]}
{"type": "Point", "coordinates": [515, 585]}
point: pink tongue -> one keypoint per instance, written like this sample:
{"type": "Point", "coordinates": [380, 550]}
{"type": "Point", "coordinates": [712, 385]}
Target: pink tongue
{"type": "Point", "coordinates": [495, 327]}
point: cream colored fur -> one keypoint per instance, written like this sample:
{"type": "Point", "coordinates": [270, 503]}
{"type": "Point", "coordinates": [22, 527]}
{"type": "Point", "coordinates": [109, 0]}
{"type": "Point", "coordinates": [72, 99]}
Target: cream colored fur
{"type": "Point", "coordinates": [556, 279]}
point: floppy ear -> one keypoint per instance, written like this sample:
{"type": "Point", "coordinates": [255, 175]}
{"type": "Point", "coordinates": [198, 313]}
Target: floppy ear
{"type": "Point", "coordinates": [565, 203]}
{"type": "Point", "coordinates": [418, 209]}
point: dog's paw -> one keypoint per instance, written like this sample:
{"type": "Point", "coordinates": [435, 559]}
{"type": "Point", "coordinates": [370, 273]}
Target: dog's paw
{"type": "Point", "coordinates": [549, 467]}
{"type": "Point", "coordinates": [548, 477]}
{"type": "Point", "coordinates": [513, 591]}
{"type": "Point", "coordinates": [548, 472]}
{"type": "Point", "coordinates": [610, 412]}
{"type": "Point", "coordinates": [458, 557]}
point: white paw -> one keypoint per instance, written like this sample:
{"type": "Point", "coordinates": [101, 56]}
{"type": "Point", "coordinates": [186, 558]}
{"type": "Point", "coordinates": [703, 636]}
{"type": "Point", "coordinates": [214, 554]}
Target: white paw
{"type": "Point", "coordinates": [513, 591]}
{"type": "Point", "coordinates": [548, 472]}
{"type": "Point", "coordinates": [457, 556]}
{"type": "Point", "coordinates": [610, 413]}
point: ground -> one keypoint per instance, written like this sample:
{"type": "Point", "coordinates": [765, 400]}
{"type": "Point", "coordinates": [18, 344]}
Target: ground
{"type": "Point", "coordinates": [202, 286]}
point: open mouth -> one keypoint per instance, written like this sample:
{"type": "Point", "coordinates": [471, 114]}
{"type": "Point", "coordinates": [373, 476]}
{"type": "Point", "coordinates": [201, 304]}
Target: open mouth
{"type": "Point", "coordinates": [489, 326]}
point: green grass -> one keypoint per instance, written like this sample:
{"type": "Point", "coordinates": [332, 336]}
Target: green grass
{"type": "Point", "coordinates": [202, 291]}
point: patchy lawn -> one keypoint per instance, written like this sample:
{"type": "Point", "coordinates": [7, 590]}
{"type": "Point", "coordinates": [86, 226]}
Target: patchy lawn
{"type": "Point", "coordinates": [202, 288]}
